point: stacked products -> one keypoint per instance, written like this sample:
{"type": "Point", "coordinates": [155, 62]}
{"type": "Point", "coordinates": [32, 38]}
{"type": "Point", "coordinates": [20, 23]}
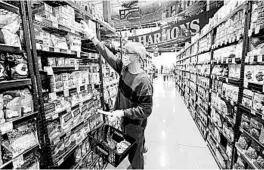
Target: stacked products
{"type": "Point", "coordinates": [236, 106]}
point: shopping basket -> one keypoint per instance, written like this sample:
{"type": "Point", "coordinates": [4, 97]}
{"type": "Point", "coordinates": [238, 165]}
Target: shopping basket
{"type": "Point", "coordinates": [99, 143]}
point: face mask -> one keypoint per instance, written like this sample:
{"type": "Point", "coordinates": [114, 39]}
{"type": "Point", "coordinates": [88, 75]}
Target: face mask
{"type": "Point", "coordinates": [126, 60]}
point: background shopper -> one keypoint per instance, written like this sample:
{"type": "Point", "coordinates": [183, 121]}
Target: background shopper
{"type": "Point", "coordinates": [134, 98]}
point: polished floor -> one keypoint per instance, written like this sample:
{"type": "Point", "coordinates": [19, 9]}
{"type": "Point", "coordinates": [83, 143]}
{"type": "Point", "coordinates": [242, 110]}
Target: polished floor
{"type": "Point", "coordinates": [172, 137]}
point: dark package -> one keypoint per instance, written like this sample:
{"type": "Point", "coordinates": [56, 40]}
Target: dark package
{"type": "Point", "coordinates": [18, 66]}
{"type": "Point", "coordinates": [253, 151]}
{"type": "Point", "coordinates": [3, 73]}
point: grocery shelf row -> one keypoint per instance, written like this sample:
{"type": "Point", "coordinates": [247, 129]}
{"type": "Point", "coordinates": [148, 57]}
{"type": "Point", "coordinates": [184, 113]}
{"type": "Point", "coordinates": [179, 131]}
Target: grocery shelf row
{"type": "Point", "coordinates": [50, 92]}
{"type": "Point", "coordinates": [235, 84]}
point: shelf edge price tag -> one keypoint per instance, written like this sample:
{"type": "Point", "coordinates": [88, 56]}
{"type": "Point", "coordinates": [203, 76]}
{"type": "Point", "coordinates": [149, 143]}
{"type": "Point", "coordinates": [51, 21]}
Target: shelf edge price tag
{"type": "Point", "coordinates": [55, 116]}
{"type": "Point", "coordinates": [253, 112]}
{"type": "Point", "coordinates": [246, 84]}
{"type": "Point", "coordinates": [53, 96]}
{"type": "Point", "coordinates": [56, 50]}
{"type": "Point", "coordinates": [259, 58]}
{"type": "Point", "coordinates": [78, 54]}
{"type": "Point", "coordinates": [78, 89]}
{"type": "Point", "coordinates": [257, 29]}
{"type": "Point", "coordinates": [49, 71]}
{"type": "Point", "coordinates": [66, 93]}
{"type": "Point", "coordinates": [250, 32]}
{"type": "Point", "coordinates": [251, 59]}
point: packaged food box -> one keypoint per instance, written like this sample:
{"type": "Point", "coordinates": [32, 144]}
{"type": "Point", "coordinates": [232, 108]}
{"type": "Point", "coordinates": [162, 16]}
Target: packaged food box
{"type": "Point", "coordinates": [57, 148]}
{"type": "Point", "coordinates": [66, 121]}
{"type": "Point", "coordinates": [12, 104]}
{"type": "Point", "coordinates": [258, 105]}
{"type": "Point", "coordinates": [76, 113]}
{"type": "Point", "coordinates": [247, 98]}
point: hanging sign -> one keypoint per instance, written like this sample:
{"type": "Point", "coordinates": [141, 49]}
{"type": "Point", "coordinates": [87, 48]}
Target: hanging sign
{"type": "Point", "coordinates": [175, 32]}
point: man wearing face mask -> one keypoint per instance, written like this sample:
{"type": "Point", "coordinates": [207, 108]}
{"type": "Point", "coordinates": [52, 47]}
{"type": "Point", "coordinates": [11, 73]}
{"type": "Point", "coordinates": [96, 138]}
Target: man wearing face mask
{"type": "Point", "coordinates": [134, 98]}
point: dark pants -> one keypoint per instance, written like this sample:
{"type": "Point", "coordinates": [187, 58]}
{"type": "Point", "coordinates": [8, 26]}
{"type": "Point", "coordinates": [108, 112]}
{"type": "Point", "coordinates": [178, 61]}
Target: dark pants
{"type": "Point", "coordinates": [136, 155]}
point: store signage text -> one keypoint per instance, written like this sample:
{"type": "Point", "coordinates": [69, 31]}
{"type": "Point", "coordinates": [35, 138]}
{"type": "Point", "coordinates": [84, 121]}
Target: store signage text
{"type": "Point", "coordinates": [174, 32]}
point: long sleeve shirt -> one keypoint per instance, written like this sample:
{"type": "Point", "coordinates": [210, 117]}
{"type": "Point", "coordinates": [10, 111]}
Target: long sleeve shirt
{"type": "Point", "coordinates": [135, 91]}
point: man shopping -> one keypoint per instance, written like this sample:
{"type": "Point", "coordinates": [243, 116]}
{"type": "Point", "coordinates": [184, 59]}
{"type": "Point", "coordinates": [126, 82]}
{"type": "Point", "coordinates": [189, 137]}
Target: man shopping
{"type": "Point", "coordinates": [135, 91]}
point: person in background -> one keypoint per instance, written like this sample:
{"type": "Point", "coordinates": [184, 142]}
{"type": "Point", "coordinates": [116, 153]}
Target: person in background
{"type": "Point", "coordinates": [135, 91]}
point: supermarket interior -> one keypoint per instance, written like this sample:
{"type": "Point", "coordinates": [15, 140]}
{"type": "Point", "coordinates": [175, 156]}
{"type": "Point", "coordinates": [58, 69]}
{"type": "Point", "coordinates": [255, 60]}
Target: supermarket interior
{"type": "Point", "coordinates": [122, 84]}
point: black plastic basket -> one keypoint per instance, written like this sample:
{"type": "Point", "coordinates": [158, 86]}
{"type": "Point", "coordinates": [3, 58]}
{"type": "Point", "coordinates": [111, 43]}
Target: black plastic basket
{"type": "Point", "coordinates": [98, 140]}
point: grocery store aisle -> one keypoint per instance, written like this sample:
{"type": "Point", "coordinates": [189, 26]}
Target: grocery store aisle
{"type": "Point", "coordinates": [172, 138]}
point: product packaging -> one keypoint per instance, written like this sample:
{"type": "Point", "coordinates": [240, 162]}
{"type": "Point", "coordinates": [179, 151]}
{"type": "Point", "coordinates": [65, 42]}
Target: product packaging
{"type": "Point", "coordinates": [66, 121]}
{"type": "Point", "coordinates": [3, 71]}
{"type": "Point", "coordinates": [26, 102]}
{"type": "Point", "coordinates": [243, 142]}
{"type": "Point", "coordinates": [18, 66]}
{"type": "Point", "coordinates": [12, 104]}
{"type": "Point", "coordinates": [57, 148]}
{"type": "Point", "coordinates": [78, 154]}
{"type": "Point", "coordinates": [255, 128]}
{"type": "Point", "coordinates": [258, 105]}
{"type": "Point", "coordinates": [21, 138]}
{"type": "Point", "coordinates": [247, 98]}
{"type": "Point", "coordinates": [253, 151]}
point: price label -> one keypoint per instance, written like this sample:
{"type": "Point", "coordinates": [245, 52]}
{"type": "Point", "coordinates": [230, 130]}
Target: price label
{"type": "Point", "coordinates": [57, 50]}
{"type": "Point", "coordinates": [53, 96]}
{"type": "Point", "coordinates": [60, 162]}
{"type": "Point", "coordinates": [66, 93]}
{"type": "Point", "coordinates": [55, 24]}
{"type": "Point", "coordinates": [253, 112]}
{"type": "Point", "coordinates": [76, 66]}
{"type": "Point", "coordinates": [246, 84]}
{"type": "Point", "coordinates": [68, 51]}
{"type": "Point", "coordinates": [233, 60]}
{"type": "Point", "coordinates": [78, 89]}
{"type": "Point", "coordinates": [247, 59]}
{"type": "Point", "coordinates": [226, 80]}
{"type": "Point", "coordinates": [250, 33]}
{"type": "Point", "coordinates": [45, 48]}
{"type": "Point", "coordinates": [78, 54]}
{"type": "Point", "coordinates": [257, 29]}
{"type": "Point", "coordinates": [69, 109]}
{"type": "Point", "coordinates": [6, 127]}
{"type": "Point", "coordinates": [251, 59]}
{"type": "Point", "coordinates": [49, 71]}
{"type": "Point", "coordinates": [259, 58]}
{"type": "Point", "coordinates": [55, 116]}
{"type": "Point", "coordinates": [227, 60]}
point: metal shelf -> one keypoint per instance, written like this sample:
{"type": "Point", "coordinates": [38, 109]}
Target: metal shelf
{"type": "Point", "coordinates": [245, 157]}
{"type": "Point", "coordinates": [252, 138]}
{"type": "Point", "coordinates": [216, 160]}
{"type": "Point", "coordinates": [9, 7]}
{"type": "Point", "coordinates": [9, 162]}
{"type": "Point", "coordinates": [14, 83]}
{"type": "Point", "coordinates": [10, 49]}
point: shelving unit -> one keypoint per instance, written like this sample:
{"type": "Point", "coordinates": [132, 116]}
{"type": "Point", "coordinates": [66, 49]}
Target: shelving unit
{"type": "Point", "coordinates": [75, 99]}
{"type": "Point", "coordinates": [230, 75]}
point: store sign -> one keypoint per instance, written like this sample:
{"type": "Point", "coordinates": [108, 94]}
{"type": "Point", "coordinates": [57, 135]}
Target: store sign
{"type": "Point", "coordinates": [175, 32]}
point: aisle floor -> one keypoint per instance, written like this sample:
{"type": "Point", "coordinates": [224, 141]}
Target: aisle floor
{"type": "Point", "coordinates": [172, 138]}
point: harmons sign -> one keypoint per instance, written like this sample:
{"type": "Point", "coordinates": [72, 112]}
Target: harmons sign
{"type": "Point", "coordinates": [175, 32]}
